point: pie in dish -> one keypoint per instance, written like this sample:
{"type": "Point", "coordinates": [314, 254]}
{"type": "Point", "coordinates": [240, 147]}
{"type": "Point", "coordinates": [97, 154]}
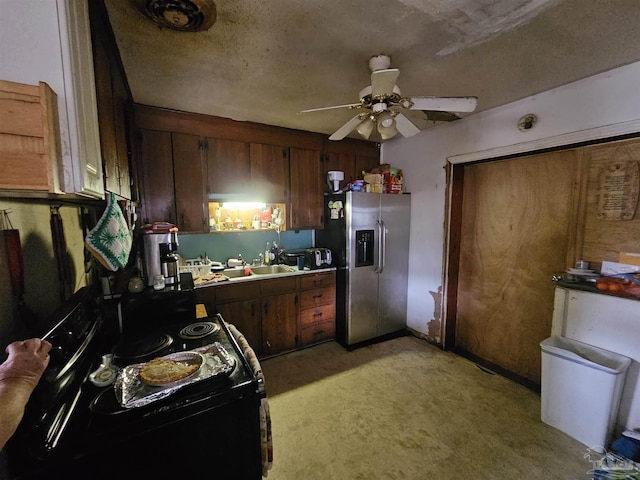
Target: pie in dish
{"type": "Point", "coordinates": [164, 371]}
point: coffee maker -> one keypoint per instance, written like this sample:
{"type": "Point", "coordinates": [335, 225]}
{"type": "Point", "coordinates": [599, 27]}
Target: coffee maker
{"type": "Point", "coordinates": [160, 257]}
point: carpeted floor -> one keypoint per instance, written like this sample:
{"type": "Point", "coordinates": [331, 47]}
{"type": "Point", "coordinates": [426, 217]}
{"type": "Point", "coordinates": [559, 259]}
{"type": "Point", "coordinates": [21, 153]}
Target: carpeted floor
{"type": "Point", "coordinates": [404, 409]}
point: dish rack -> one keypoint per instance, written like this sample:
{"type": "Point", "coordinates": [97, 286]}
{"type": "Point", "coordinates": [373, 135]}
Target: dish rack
{"type": "Point", "coordinates": [196, 266]}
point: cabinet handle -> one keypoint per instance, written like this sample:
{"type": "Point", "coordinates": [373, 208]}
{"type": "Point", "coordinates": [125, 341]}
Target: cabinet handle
{"type": "Point", "coordinates": [268, 344]}
{"type": "Point", "coordinates": [318, 296]}
{"type": "Point", "coordinates": [317, 314]}
{"type": "Point", "coordinates": [253, 310]}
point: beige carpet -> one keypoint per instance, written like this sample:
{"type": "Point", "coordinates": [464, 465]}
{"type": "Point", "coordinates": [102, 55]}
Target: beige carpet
{"type": "Point", "coordinates": [404, 409]}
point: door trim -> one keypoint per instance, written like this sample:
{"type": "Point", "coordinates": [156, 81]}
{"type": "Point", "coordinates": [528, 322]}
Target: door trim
{"type": "Point", "coordinates": [572, 138]}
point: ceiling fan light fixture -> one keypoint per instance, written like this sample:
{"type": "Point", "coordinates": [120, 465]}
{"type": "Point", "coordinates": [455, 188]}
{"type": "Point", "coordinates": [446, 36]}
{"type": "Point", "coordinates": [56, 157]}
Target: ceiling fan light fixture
{"type": "Point", "coordinates": [385, 120]}
{"type": "Point", "coordinates": [386, 126]}
{"type": "Point", "coordinates": [365, 129]}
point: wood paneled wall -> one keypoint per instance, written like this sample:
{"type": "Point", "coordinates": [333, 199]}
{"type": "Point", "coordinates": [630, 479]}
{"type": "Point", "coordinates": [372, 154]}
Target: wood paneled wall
{"type": "Point", "coordinates": [600, 239]}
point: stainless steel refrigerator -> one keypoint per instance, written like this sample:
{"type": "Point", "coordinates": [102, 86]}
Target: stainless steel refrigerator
{"type": "Point", "coordinates": [368, 234]}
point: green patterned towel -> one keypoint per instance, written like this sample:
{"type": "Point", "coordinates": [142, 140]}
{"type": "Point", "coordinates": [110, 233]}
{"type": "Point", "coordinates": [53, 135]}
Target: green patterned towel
{"type": "Point", "coordinates": [110, 240]}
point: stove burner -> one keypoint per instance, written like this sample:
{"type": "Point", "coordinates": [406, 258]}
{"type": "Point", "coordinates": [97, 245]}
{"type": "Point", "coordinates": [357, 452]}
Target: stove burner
{"type": "Point", "coordinates": [144, 347]}
{"type": "Point", "coordinates": [198, 330]}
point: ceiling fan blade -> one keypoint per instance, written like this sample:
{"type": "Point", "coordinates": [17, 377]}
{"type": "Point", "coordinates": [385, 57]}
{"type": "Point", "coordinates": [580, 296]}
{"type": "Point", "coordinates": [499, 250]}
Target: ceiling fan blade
{"type": "Point", "coordinates": [440, 116]}
{"type": "Point", "coordinates": [383, 81]}
{"type": "Point", "coordinates": [347, 128]}
{"type": "Point", "coordinates": [405, 126]}
{"type": "Point", "coordinates": [444, 104]}
{"type": "Point", "coordinates": [350, 105]}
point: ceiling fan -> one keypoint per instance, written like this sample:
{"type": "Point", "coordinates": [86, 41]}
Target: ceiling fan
{"type": "Point", "coordinates": [382, 105]}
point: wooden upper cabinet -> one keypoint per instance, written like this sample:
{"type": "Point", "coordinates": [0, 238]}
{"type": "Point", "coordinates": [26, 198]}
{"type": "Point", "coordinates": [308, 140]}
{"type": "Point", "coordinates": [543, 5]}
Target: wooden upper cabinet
{"type": "Point", "coordinates": [156, 176]}
{"type": "Point", "coordinates": [189, 167]}
{"type": "Point", "coordinates": [307, 185]}
{"type": "Point", "coordinates": [122, 116]}
{"type": "Point", "coordinates": [270, 172]}
{"type": "Point", "coordinates": [364, 163]}
{"type": "Point", "coordinates": [359, 158]}
{"type": "Point", "coordinates": [113, 99]}
{"type": "Point", "coordinates": [228, 166]}
{"type": "Point", "coordinates": [243, 160]}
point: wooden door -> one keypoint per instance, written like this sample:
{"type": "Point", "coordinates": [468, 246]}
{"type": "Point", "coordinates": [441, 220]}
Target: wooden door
{"type": "Point", "coordinates": [279, 323]}
{"type": "Point", "coordinates": [156, 176]}
{"type": "Point", "coordinates": [228, 167]}
{"type": "Point", "coordinates": [517, 217]}
{"type": "Point", "coordinates": [188, 172]}
{"type": "Point", "coordinates": [306, 173]}
{"type": "Point", "coordinates": [269, 172]}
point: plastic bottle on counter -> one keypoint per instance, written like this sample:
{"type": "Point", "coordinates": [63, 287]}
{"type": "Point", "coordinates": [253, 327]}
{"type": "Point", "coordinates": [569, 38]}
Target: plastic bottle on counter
{"type": "Point", "coordinates": [267, 253]}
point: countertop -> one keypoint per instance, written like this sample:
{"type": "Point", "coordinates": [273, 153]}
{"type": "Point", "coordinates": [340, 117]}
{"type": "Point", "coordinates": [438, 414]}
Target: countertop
{"type": "Point", "coordinates": [586, 286]}
{"type": "Point", "coordinates": [264, 276]}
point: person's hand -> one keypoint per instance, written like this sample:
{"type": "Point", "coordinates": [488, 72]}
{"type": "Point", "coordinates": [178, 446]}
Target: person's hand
{"type": "Point", "coordinates": [26, 362]}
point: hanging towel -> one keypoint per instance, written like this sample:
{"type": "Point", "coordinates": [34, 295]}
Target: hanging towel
{"type": "Point", "coordinates": [266, 436]}
{"type": "Point", "coordinates": [110, 240]}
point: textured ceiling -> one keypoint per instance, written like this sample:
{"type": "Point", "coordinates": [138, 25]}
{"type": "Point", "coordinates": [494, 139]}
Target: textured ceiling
{"type": "Point", "coordinates": [264, 61]}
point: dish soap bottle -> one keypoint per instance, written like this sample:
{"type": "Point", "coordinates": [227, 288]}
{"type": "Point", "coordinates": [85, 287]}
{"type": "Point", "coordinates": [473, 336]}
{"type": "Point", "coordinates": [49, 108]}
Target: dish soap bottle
{"type": "Point", "coordinates": [267, 254]}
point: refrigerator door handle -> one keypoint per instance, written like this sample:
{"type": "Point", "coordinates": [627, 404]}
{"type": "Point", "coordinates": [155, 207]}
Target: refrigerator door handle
{"type": "Point", "coordinates": [381, 246]}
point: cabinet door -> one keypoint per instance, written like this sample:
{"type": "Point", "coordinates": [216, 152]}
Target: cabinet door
{"type": "Point", "coordinates": [121, 116]}
{"type": "Point", "coordinates": [188, 172]}
{"type": "Point", "coordinates": [364, 163]}
{"type": "Point", "coordinates": [270, 172]}
{"type": "Point", "coordinates": [112, 97]}
{"type": "Point", "coordinates": [279, 323]}
{"type": "Point", "coordinates": [306, 176]}
{"type": "Point", "coordinates": [156, 167]}
{"type": "Point", "coordinates": [343, 162]}
{"type": "Point", "coordinates": [228, 166]}
{"type": "Point", "coordinates": [245, 316]}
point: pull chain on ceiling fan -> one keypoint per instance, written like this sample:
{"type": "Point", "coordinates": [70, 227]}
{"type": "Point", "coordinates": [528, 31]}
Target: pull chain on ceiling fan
{"type": "Point", "coordinates": [384, 102]}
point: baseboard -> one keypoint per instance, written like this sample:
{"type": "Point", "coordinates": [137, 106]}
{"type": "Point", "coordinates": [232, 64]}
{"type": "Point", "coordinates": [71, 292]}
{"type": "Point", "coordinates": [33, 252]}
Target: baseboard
{"type": "Point", "coordinates": [490, 367]}
{"type": "Point", "coordinates": [371, 341]}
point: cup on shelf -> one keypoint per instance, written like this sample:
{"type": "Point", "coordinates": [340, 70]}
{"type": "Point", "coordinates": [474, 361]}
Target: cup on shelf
{"type": "Point", "coordinates": [582, 265]}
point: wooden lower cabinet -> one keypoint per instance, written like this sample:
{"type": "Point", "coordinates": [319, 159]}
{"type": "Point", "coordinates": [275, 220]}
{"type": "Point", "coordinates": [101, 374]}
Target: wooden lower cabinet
{"type": "Point", "coordinates": [317, 316]}
{"type": "Point", "coordinates": [245, 315]}
{"type": "Point", "coordinates": [277, 315]}
{"type": "Point", "coordinates": [279, 329]}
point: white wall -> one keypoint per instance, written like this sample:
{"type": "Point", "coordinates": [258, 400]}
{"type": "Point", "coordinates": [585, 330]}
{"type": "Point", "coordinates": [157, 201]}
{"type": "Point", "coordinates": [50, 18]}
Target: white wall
{"type": "Point", "coordinates": [604, 105]}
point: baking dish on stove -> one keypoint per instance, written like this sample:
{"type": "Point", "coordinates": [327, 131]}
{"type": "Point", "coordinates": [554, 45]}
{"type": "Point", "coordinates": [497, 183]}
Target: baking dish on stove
{"type": "Point", "coordinates": [132, 392]}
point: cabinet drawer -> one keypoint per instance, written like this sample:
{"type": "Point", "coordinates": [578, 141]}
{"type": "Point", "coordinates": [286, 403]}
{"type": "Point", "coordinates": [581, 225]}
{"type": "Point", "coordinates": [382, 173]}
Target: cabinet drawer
{"type": "Point", "coordinates": [319, 296]}
{"type": "Point", "coordinates": [320, 314]}
{"type": "Point", "coordinates": [317, 280]}
{"type": "Point", "coordinates": [229, 293]}
{"type": "Point", "coordinates": [317, 333]}
{"type": "Point", "coordinates": [278, 285]}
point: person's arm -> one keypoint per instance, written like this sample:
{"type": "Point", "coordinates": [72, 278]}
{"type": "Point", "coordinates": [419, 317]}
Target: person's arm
{"type": "Point", "coordinates": [19, 375]}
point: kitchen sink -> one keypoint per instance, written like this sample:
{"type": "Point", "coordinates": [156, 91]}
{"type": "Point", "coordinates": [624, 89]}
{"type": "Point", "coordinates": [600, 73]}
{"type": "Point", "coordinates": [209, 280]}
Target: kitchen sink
{"type": "Point", "coordinates": [272, 269]}
{"type": "Point", "coordinates": [234, 272]}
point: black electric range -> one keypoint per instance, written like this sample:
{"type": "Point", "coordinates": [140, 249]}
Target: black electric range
{"type": "Point", "coordinates": [75, 429]}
